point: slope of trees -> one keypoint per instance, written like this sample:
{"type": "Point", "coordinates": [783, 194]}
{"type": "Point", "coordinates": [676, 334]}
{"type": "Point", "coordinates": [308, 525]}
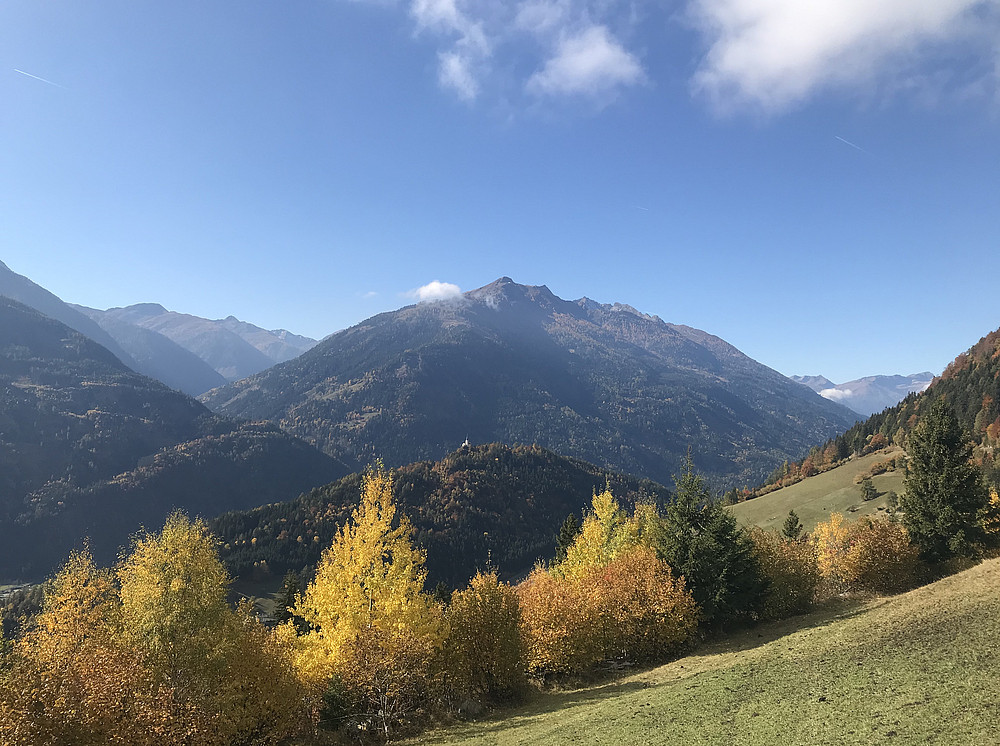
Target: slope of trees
{"type": "Point", "coordinates": [89, 447]}
{"type": "Point", "coordinates": [482, 504]}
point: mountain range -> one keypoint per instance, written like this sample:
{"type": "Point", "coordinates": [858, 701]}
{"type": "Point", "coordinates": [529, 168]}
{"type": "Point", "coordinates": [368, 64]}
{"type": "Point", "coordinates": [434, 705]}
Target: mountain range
{"type": "Point", "coordinates": [870, 394]}
{"type": "Point", "coordinates": [186, 352]}
{"type": "Point", "coordinates": [232, 348]}
{"type": "Point", "coordinates": [515, 364]}
{"type": "Point", "coordinates": [88, 447]}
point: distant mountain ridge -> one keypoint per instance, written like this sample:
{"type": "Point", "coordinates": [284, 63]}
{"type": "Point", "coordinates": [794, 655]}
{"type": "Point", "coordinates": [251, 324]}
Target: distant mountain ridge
{"type": "Point", "coordinates": [20, 288]}
{"type": "Point", "coordinates": [515, 364]}
{"type": "Point", "coordinates": [234, 349]}
{"type": "Point", "coordinates": [186, 352]}
{"type": "Point", "coordinates": [90, 447]}
{"type": "Point", "coordinates": [871, 394]}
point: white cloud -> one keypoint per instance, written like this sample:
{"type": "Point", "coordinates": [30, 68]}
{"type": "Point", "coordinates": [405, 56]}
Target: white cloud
{"type": "Point", "coordinates": [461, 64]}
{"type": "Point", "coordinates": [435, 290]}
{"type": "Point", "coordinates": [455, 71]}
{"type": "Point", "coordinates": [591, 62]}
{"type": "Point", "coordinates": [541, 16]}
{"type": "Point", "coordinates": [774, 53]}
{"type": "Point", "coordinates": [836, 394]}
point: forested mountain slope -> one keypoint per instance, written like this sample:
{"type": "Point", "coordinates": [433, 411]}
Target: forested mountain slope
{"type": "Point", "coordinates": [516, 364]}
{"type": "Point", "coordinates": [481, 505]}
{"type": "Point", "coordinates": [88, 446]}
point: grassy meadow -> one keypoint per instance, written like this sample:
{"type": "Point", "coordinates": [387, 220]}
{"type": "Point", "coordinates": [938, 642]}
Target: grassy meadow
{"type": "Point", "coordinates": [813, 499]}
{"type": "Point", "coordinates": [920, 668]}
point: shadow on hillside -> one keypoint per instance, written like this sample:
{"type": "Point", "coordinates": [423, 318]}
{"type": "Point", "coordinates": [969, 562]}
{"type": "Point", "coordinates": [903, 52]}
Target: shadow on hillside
{"type": "Point", "coordinates": [695, 661]}
{"type": "Point", "coordinates": [539, 703]}
{"type": "Point", "coordinates": [749, 638]}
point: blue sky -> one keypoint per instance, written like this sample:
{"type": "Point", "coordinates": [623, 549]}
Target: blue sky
{"type": "Point", "coordinates": [817, 183]}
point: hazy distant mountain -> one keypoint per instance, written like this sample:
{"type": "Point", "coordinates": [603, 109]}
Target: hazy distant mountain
{"type": "Point", "coordinates": [23, 290]}
{"type": "Point", "coordinates": [90, 447]}
{"type": "Point", "coordinates": [158, 356]}
{"type": "Point", "coordinates": [233, 348]}
{"type": "Point", "coordinates": [515, 364]}
{"type": "Point", "coordinates": [870, 394]}
{"type": "Point", "coordinates": [816, 383]}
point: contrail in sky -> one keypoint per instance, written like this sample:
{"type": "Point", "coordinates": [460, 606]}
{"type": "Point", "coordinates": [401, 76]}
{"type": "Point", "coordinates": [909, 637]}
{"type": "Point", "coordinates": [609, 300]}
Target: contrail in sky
{"type": "Point", "coordinates": [848, 142]}
{"type": "Point", "coordinates": [37, 78]}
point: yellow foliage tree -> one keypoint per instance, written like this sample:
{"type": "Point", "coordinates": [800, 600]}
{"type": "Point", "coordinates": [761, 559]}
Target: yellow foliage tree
{"type": "Point", "coordinates": [69, 681]}
{"type": "Point", "coordinates": [831, 539]}
{"type": "Point", "coordinates": [159, 660]}
{"type": "Point", "coordinates": [561, 624]}
{"type": "Point", "coordinates": [881, 558]}
{"type": "Point", "coordinates": [232, 679]}
{"type": "Point", "coordinates": [645, 612]}
{"type": "Point", "coordinates": [606, 531]}
{"type": "Point", "coordinates": [989, 517]}
{"type": "Point", "coordinates": [485, 652]}
{"type": "Point", "coordinates": [869, 555]}
{"type": "Point", "coordinates": [173, 601]}
{"type": "Point", "coordinates": [372, 626]}
{"type": "Point", "coordinates": [791, 571]}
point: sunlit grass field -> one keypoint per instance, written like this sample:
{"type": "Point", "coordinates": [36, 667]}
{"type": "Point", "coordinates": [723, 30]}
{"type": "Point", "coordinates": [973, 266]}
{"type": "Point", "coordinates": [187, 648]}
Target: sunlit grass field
{"type": "Point", "coordinates": [815, 498]}
{"type": "Point", "coordinates": [920, 668]}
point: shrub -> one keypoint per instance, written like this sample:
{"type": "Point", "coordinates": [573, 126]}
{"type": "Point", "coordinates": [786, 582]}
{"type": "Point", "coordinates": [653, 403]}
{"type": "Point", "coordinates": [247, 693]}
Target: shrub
{"type": "Point", "coordinates": [646, 612]}
{"type": "Point", "coordinates": [881, 558]}
{"type": "Point", "coordinates": [560, 623]}
{"type": "Point", "coordinates": [484, 650]}
{"type": "Point", "coordinates": [870, 555]}
{"type": "Point", "coordinates": [791, 571]}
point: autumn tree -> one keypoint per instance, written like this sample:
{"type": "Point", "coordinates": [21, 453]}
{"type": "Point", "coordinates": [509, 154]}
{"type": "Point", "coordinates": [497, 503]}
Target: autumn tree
{"type": "Point", "coordinates": [234, 677]}
{"type": "Point", "coordinates": [372, 626]}
{"type": "Point", "coordinates": [646, 612]}
{"type": "Point", "coordinates": [68, 680]}
{"type": "Point", "coordinates": [604, 534]}
{"type": "Point", "coordinates": [867, 555]}
{"type": "Point", "coordinates": [484, 650]}
{"type": "Point", "coordinates": [791, 571]}
{"type": "Point", "coordinates": [560, 623]}
{"type": "Point", "coordinates": [944, 491]}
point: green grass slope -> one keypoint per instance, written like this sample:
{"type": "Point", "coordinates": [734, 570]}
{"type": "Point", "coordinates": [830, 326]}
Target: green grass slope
{"type": "Point", "coordinates": [920, 668]}
{"type": "Point", "coordinates": [813, 499]}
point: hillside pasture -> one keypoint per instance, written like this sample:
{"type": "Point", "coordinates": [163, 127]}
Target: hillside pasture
{"type": "Point", "coordinates": [919, 668]}
{"type": "Point", "coordinates": [833, 491]}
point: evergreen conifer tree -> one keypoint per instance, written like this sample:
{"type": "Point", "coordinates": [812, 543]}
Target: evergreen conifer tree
{"type": "Point", "coordinates": [567, 535]}
{"type": "Point", "coordinates": [704, 543]}
{"type": "Point", "coordinates": [944, 488]}
{"type": "Point", "coordinates": [792, 528]}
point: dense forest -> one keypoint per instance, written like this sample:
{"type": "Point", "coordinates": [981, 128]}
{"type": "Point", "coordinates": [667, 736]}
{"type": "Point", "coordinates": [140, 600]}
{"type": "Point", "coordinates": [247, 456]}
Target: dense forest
{"type": "Point", "coordinates": [482, 506]}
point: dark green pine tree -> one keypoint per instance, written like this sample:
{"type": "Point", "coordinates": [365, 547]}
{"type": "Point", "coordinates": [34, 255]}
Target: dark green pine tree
{"type": "Point", "coordinates": [944, 488]}
{"type": "Point", "coordinates": [792, 528]}
{"type": "Point", "coordinates": [567, 535]}
{"type": "Point", "coordinates": [703, 542]}
{"type": "Point", "coordinates": [868, 490]}
{"type": "Point", "coordinates": [285, 600]}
